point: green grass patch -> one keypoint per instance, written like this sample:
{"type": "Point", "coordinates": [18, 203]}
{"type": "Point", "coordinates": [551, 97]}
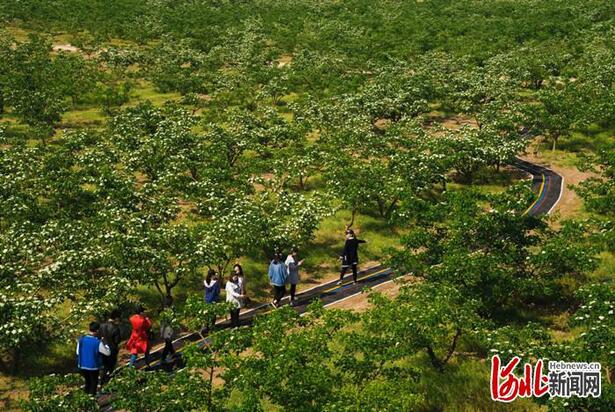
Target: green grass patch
{"type": "Point", "coordinates": [558, 157]}
{"type": "Point", "coordinates": [146, 91]}
{"type": "Point", "coordinates": [83, 117]}
{"type": "Point", "coordinates": [606, 268]}
{"type": "Point", "coordinates": [464, 387]}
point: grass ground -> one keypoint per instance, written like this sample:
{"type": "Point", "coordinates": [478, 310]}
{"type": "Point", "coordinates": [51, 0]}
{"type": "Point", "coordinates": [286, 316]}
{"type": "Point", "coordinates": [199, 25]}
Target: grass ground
{"type": "Point", "coordinates": [93, 116]}
{"type": "Point", "coordinates": [469, 377]}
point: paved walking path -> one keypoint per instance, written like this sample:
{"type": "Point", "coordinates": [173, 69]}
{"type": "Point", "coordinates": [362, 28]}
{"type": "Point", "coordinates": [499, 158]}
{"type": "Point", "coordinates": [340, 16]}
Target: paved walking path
{"type": "Point", "coordinates": [546, 183]}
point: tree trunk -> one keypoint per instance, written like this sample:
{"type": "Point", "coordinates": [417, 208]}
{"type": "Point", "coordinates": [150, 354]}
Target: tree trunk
{"type": "Point", "coordinates": [434, 359]}
{"type": "Point", "coordinates": [537, 83]}
{"type": "Point", "coordinates": [167, 302]}
{"type": "Point", "coordinates": [302, 182]}
{"type": "Point", "coordinates": [453, 346]}
{"type": "Point", "coordinates": [15, 360]}
{"type": "Point", "coordinates": [354, 212]}
{"type": "Point", "coordinates": [555, 137]}
{"type": "Point", "coordinates": [381, 208]}
{"type": "Point", "coordinates": [168, 287]}
{"type": "Point", "coordinates": [440, 363]}
{"type": "Point", "coordinates": [194, 173]}
{"type": "Point", "coordinates": [161, 293]}
{"type": "Point", "coordinates": [390, 209]}
{"type": "Point", "coordinates": [211, 384]}
{"type": "Point", "coordinates": [222, 266]}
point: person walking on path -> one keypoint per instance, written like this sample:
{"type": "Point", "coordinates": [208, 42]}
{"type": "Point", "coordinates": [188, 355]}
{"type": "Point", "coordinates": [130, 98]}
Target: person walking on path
{"type": "Point", "coordinates": [241, 281]}
{"type": "Point", "coordinates": [139, 340]}
{"type": "Point", "coordinates": [166, 333]}
{"type": "Point", "coordinates": [89, 359]}
{"type": "Point", "coordinates": [234, 297]}
{"type": "Point", "coordinates": [292, 267]}
{"type": "Point", "coordinates": [350, 255]}
{"type": "Point", "coordinates": [277, 277]}
{"type": "Point", "coordinates": [111, 336]}
{"type": "Point", "coordinates": [212, 287]}
{"type": "Point", "coordinates": [212, 295]}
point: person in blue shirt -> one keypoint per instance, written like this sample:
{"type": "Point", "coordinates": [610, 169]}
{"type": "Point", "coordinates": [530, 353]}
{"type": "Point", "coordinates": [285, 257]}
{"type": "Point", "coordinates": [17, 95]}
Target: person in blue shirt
{"type": "Point", "coordinates": [212, 287]}
{"type": "Point", "coordinates": [277, 277]}
{"type": "Point", "coordinates": [89, 359]}
{"type": "Point", "coordinates": [212, 294]}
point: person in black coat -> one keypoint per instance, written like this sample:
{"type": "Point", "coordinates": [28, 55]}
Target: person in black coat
{"type": "Point", "coordinates": [111, 336]}
{"type": "Point", "coordinates": [350, 255]}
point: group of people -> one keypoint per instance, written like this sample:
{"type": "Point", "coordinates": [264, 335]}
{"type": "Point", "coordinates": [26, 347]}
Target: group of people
{"type": "Point", "coordinates": [282, 273]}
{"type": "Point", "coordinates": [235, 291]}
{"type": "Point", "coordinates": [286, 272]}
{"type": "Point", "coordinates": [98, 350]}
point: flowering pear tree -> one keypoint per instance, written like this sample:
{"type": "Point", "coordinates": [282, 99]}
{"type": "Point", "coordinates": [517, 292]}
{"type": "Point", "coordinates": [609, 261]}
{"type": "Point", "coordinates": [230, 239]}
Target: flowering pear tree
{"type": "Point", "coordinates": [36, 84]}
{"type": "Point", "coordinates": [499, 257]}
{"type": "Point", "coordinates": [230, 233]}
{"type": "Point", "coordinates": [562, 108]}
{"type": "Point", "coordinates": [598, 192]}
{"type": "Point", "coordinates": [289, 219]}
{"type": "Point", "coordinates": [427, 316]}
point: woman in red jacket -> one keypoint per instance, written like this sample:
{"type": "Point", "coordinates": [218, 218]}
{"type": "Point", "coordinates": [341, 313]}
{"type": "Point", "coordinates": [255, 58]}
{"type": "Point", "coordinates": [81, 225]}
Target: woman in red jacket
{"type": "Point", "coordinates": [139, 341]}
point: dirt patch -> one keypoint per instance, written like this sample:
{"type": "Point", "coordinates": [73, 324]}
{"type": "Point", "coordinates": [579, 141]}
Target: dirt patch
{"type": "Point", "coordinates": [360, 303]}
{"type": "Point", "coordinates": [66, 47]}
{"type": "Point", "coordinates": [12, 390]}
{"type": "Point", "coordinates": [185, 209]}
{"type": "Point", "coordinates": [284, 60]}
{"type": "Point", "coordinates": [204, 97]}
{"type": "Point", "coordinates": [457, 122]}
{"type": "Point", "coordinates": [382, 123]}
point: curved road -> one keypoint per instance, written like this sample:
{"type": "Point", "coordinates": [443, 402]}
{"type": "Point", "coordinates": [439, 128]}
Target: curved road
{"type": "Point", "coordinates": [547, 185]}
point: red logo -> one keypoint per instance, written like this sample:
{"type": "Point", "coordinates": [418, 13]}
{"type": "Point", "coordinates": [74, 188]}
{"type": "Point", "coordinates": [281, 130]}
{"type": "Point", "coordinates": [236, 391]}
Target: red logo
{"type": "Point", "coordinates": [506, 386]}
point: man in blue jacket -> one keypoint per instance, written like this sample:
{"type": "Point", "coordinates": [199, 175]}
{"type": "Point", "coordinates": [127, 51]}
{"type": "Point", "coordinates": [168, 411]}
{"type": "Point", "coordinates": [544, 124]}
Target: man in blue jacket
{"type": "Point", "coordinates": [89, 359]}
{"type": "Point", "coordinates": [277, 278]}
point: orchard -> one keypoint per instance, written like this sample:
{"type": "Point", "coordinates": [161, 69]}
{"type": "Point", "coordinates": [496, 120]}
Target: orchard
{"type": "Point", "coordinates": [144, 144]}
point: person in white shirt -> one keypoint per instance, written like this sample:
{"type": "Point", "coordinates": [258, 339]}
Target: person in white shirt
{"type": "Point", "coordinates": [241, 280]}
{"type": "Point", "coordinates": [292, 266]}
{"type": "Point", "coordinates": [234, 297]}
